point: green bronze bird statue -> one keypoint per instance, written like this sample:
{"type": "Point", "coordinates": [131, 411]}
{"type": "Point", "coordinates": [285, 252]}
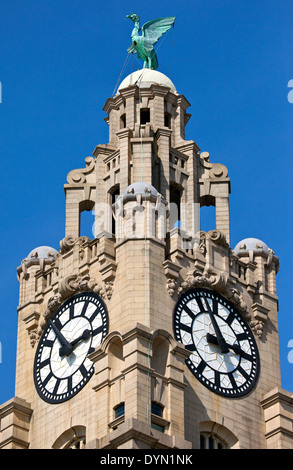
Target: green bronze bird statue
{"type": "Point", "coordinates": [150, 34]}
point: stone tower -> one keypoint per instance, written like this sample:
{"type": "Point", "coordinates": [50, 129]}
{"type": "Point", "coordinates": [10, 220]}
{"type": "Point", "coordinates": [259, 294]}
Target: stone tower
{"type": "Point", "coordinates": [151, 334]}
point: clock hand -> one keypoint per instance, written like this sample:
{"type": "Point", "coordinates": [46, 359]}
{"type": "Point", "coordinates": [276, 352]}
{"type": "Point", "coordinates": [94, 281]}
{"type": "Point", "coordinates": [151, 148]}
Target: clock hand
{"type": "Point", "coordinates": [213, 340]}
{"type": "Point", "coordinates": [221, 341]}
{"type": "Point", "coordinates": [66, 347]}
{"type": "Point", "coordinates": [85, 335]}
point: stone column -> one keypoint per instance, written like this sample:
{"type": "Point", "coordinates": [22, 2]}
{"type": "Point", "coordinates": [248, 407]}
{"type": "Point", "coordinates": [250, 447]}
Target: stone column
{"type": "Point", "coordinates": [15, 417]}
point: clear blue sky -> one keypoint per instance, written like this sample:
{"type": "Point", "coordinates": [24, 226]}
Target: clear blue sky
{"type": "Point", "coordinates": [59, 62]}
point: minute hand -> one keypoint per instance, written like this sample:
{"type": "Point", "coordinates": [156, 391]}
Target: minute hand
{"type": "Point", "coordinates": [66, 348]}
{"type": "Point", "coordinates": [221, 341]}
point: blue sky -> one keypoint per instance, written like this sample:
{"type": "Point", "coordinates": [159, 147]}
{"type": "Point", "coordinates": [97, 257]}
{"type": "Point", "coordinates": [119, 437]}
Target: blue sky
{"type": "Point", "coordinates": [60, 61]}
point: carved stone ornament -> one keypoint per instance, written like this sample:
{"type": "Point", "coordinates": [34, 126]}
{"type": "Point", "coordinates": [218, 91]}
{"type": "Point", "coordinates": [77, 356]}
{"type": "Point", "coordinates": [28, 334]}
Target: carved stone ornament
{"type": "Point", "coordinates": [67, 243]}
{"type": "Point", "coordinates": [212, 170]}
{"type": "Point", "coordinates": [69, 286]}
{"type": "Point", "coordinates": [257, 327]}
{"type": "Point", "coordinates": [217, 282]}
{"type": "Point", "coordinates": [80, 175]}
{"type": "Point", "coordinates": [171, 286]}
{"type": "Point", "coordinates": [33, 336]}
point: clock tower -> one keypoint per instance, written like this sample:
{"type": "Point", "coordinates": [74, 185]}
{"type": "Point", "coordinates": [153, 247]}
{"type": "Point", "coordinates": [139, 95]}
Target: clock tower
{"type": "Point", "coordinates": [151, 334]}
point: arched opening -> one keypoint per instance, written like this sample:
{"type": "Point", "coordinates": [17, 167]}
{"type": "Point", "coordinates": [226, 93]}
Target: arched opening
{"type": "Point", "coordinates": [175, 201]}
{"type": "Point", "coordinates": [87, 219]}
{"type": "Point", "coordinates": [216, 436]}
{"type": "Point", "coordinates": [114, 193]}
{"type": "Point", "coordinates": [123, 121]}
{"type": "Point", "coordinates": [167, 120]}
{"type": "Point", "coordinates": [72, 438]}
{"type": "Point", "coordinates": [144, 116]}
{"type": "Point", "coordinates": [160, 355]}
{"type": "Point", "coordinates": [207, 213]}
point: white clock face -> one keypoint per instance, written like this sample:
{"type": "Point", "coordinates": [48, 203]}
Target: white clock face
{"type": "Point", "coordinates": [62, 367]}
{"type": "Point", "coordinates": [224, 355]}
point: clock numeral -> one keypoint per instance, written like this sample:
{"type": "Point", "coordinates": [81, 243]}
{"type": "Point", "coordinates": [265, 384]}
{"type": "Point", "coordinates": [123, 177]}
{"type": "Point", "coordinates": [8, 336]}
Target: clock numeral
{"type": "Point", "coordinates": [56, 386]}
{"type": "Point", "coordinates": [189, 312]}
{"type": "Point", "coordinates": [83, 370]}
{"type": "Point", "coordinates": [243, 372]}
{"type": "Point", "coordinates": [217, 379]}
{"type": "Point", "coordinates": [215, 306]}
{"type": "Point", "coordinates": [69, 384]}
{"type": "Point", "coordinates": [71, 312]}
{"type": "Point", "coordinates": [98, 330]}
{"type": "Point", "coordinates": [184, 327]}
{"type": "Point", "coordinates": [46, 380]}
{"type": "Point", "coordinates": [201, 366]}
{"type": "Point", "coordinates": [246, 355]}
{"type": "Point", "coordinates": [230, 319]}
{"type": "Point", "coordinates": [58, 323]}
{"type": "Point", "coordinates": [84, 308]}
{"type": "Point", "coordinates": [201, 307]}
{"type": "Point", "coordinates": [44, 363]}
{"type": "Point", "coordinates": [241, 336]}
{"type": "Point", "coordinates": [232, 380]}
{"type": "Point", "coordinates": [48, 343]}
{"type": "Point", "coordinates": [93, 315]}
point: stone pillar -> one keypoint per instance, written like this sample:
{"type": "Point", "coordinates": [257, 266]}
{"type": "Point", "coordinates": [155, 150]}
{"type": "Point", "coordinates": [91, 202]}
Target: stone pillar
{"type": "Point", "coordinates": [125, 152]}
{"type": "Point", "coordinates": [223, 216]}
{"type": "Point", "coordinates": [15, 417]}
{"type": "Point", "coordinates": [163, 142]}
{"type": "Point", "coordinates": [278, 408]}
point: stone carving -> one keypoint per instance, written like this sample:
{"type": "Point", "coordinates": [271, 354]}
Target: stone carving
{"type": "Point", "coordinates": [69, 286]}
{"type": "Point", "coordinates": [218, 282]}
{"type": "Point", "coordinates": [80, 175]}
{"type": "Point", "coordinates": [213, 170]}
{"type": "Point", "coordinates": [68, 242]}
{"type": "Point", "coordinates": [33, 336]}
{"type": "Point", "coordinates": [209, 279]}
{"type": "Point", "coordinates": [257, 327]}
{"type": "Point", "coordinates": [171, 286]}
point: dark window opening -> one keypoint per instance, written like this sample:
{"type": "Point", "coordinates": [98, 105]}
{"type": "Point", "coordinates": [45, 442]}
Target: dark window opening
{"type": "Point", "coordinates": [157, 409]}
{"type": "Point", "coordinates": [123, 121]}
{"type": "Point", "coordinates": [119, 410]}
{"type": "Point", "coordinates": [114, 196]}
{"type": "Point", "coordinates": [144, 116]}
{"type": "Point", "coordinates": [167, 120]}
{"type": "Point", "coordinates": [175, 199]}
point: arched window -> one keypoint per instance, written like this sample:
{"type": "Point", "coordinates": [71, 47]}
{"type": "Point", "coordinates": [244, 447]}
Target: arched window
{"type": "Point", "coordinates": [208, 441]}
{"type": "Point", "coordinates": [86, 219]}
{"type": "Point", "coordinates": [207, 213]}
{"type": "Point", "coordinates": [72, 438]}
{"type": "Point", "coordinates": [216, 436]}
{"type": "Point", "coordinates": [114, 193]}
{"type": "Point", "coordinates": [175, 200]}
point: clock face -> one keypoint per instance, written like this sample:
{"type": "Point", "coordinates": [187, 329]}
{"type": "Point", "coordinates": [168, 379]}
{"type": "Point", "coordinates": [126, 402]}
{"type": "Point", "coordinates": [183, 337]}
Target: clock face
{"type": "Point", "coordinates": [224, 355]}
{"type": "Point", "coordinates": [61, 367]}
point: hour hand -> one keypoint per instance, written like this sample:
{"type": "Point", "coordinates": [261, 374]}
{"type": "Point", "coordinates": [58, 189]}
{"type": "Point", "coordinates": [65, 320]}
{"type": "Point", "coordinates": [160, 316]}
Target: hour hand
{"type": "Point", "coordinates": [214, 340]}
{"type": "Point", "coordinates": [66, 347]}
{"type": "Point", "coordinates": [85, 335]}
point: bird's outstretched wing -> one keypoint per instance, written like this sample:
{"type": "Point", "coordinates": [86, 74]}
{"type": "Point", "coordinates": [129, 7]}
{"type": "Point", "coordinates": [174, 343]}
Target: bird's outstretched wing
{"type": "Point", "coordinates": [153, 30]}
